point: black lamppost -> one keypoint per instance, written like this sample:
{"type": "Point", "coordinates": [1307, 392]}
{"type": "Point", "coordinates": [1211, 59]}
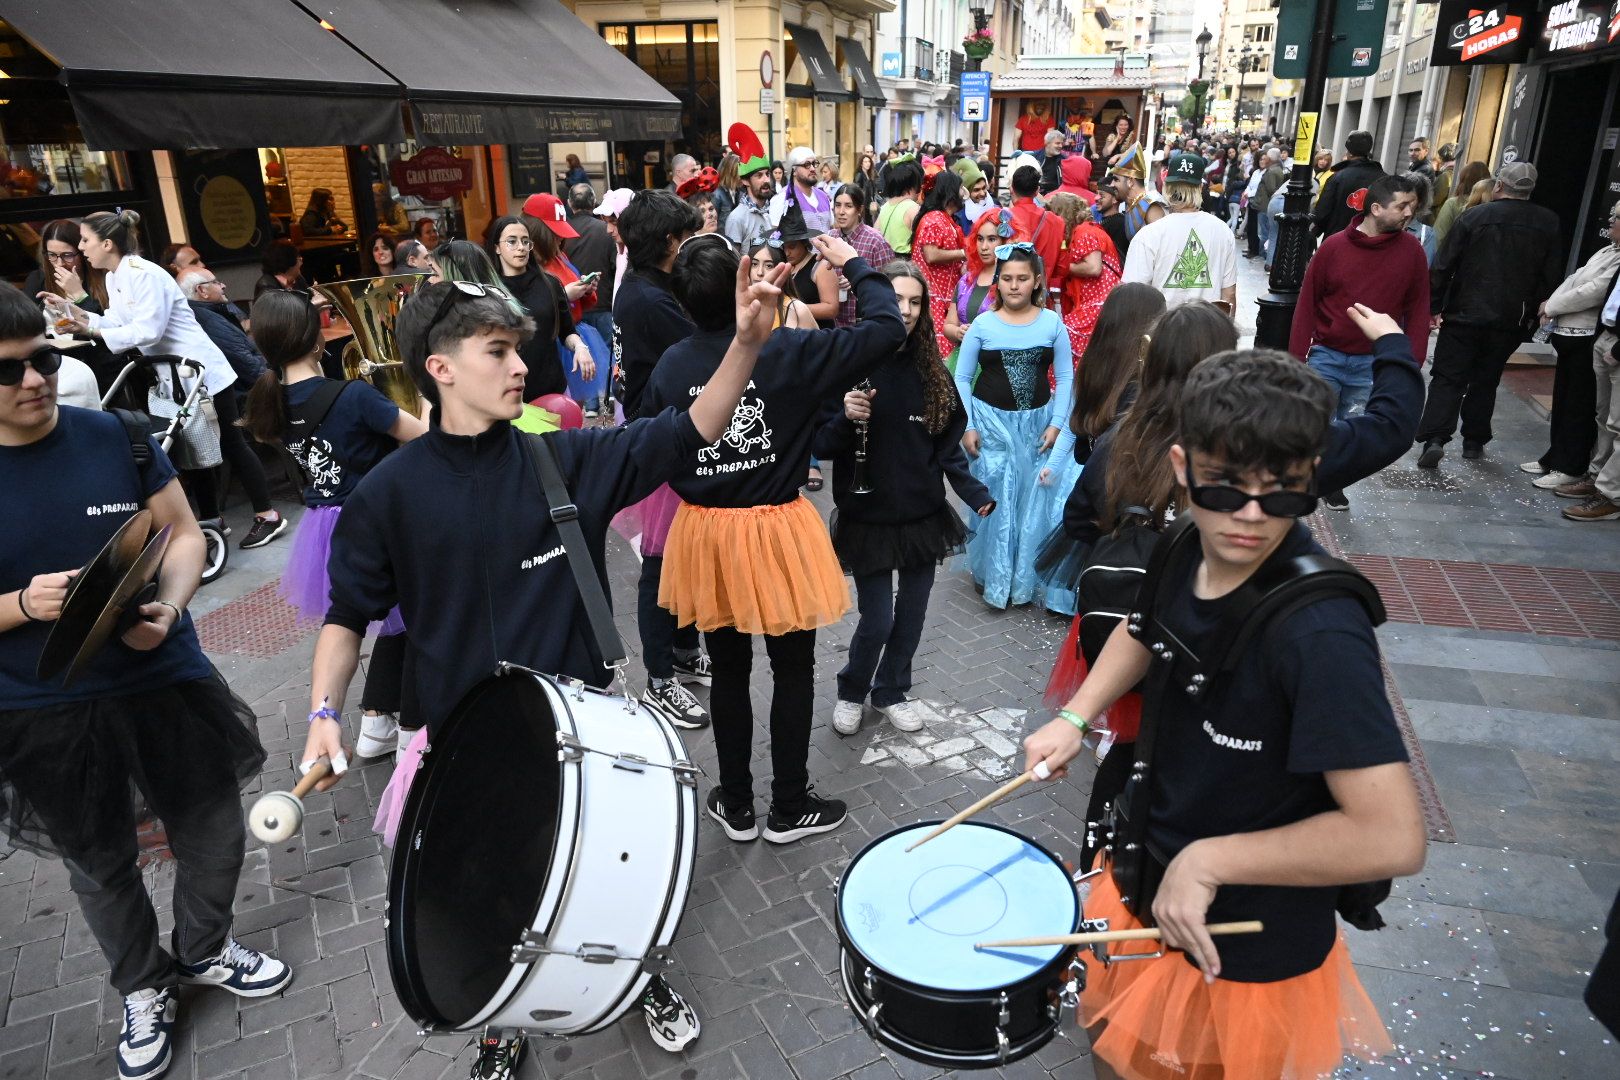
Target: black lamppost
{"type": "Point", "coordinates": [1200, 88]}
{"type": "Point", "coordinates": [1294, 245]}
{"type": "Point", "coordinates": [981, 19]}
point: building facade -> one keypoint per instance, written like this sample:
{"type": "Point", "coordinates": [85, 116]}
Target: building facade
{"type": "Point", "coordinates": [1240, 64]}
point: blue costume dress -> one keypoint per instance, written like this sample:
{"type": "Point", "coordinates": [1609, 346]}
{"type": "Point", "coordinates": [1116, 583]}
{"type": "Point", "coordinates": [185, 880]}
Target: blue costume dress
{"type": "Point", "coordinates": [1001, 375]}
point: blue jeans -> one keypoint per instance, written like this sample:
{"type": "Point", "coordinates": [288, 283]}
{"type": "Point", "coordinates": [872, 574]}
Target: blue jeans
{"type": "Point", "coordinates": [886, 636]}
{"type": "Point", "coordinates": [1349, 374]}
{"type": "Point", "coordinates": [602, 322]}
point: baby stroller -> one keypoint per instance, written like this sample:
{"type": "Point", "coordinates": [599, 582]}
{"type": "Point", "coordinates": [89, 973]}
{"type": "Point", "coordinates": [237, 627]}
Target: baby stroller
{"type": "Point", "coordinates": [179, 369]}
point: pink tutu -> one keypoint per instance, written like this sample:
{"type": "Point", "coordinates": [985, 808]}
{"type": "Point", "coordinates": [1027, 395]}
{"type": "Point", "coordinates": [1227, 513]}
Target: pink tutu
{"type": "Point", "coordinates": [304, 584]}
{"type": "Point", "coordinates": [392, 805]}
{"type": "Point", "coordinates": [649, 520]}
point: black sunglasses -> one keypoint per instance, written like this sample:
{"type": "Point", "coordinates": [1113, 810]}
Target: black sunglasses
{"type": "Point", "coordinates": [46, 361]}
{"type": "Point", "coordinates": [458, 289]}
{"type": "Point", "coordinates": [1225, 499]}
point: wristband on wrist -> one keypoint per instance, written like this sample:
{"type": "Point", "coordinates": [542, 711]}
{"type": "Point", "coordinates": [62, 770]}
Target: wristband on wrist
{"type": "Point", "coordinates": [1076, 719]}
{"type": "Point", "coordinates": [22, 607]}
{"type": "Point", "coordinates": [171, 607]}
{"type": "Point", "coordinates": [325, 712]}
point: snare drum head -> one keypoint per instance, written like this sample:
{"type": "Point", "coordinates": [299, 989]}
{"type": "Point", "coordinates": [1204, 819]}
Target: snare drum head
{"type": "Point", "coordinates": [474, 849]}
{"type": "Point", "coordinates": [916, 915]}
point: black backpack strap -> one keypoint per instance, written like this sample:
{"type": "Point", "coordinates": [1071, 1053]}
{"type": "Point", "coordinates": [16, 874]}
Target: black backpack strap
{"type": "Point", "coordinates": [565, 515]}
{"type": "Point", "coordinates": [313, 412]}
{"type": "Point", "coordinates": [138, 428]}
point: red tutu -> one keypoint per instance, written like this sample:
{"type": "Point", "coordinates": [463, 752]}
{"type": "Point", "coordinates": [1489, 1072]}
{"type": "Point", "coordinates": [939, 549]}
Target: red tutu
{"type": "Point", "coordinates": [1159, 1020]}
{"type": "Point", "coordinates": [1123, 718]}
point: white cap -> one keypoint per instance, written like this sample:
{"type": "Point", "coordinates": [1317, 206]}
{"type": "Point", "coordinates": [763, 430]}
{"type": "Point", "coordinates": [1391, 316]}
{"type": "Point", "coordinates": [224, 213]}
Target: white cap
{"type": "Point", "coordinates": [799, 155]}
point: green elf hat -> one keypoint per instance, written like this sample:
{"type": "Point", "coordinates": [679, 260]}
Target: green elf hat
{"type": "Point", "coordinates": [746, 145]}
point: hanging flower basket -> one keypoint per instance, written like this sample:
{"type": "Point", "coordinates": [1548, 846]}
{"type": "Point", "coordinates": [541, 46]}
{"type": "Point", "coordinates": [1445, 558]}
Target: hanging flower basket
{"type": "Point", "coordinates": [979, 44]}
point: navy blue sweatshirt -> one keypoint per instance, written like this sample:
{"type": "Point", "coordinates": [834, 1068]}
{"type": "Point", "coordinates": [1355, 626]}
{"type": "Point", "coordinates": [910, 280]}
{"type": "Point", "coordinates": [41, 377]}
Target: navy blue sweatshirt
{"type": "Point", "coordinates": [904, 461]}
{"type": "Point", "coordinates": [456, 531]}
{"type": "Point", "coordinates": [647, 320]}
{"type": "Point", "coordinates": [1357, 446]}
{"type": "Point", "coordinates": [760, 459]}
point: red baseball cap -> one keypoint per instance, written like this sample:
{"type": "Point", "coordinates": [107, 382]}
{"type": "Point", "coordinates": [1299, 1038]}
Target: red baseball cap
{"type": "Point", "coordinates": [550, 209]}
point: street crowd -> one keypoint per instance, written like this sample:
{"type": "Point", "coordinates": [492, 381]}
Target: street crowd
{"type": "Point", "coordinates": [1049, 337]}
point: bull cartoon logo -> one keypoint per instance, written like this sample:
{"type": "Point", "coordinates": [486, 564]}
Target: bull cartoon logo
{"type": "Point", "coordinates": [746, 432]}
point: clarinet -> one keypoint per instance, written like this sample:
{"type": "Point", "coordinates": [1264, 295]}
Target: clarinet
{"type": "Point", "coordinates": [863, 482]}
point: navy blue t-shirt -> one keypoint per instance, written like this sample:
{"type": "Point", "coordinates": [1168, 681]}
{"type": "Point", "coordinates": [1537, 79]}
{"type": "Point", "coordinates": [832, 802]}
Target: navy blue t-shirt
{"type": "Point", "coordinates": [62, 499]}
{"type": "Point", "coordinates": [347, 444]}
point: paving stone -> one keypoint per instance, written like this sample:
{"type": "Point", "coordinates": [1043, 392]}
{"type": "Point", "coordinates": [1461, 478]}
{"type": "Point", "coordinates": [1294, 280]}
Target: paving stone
{"type": "Point", "coordinates": [837, 1058]}
{"type": "Point", "coordinates": [233, 1057]}
{"type": "Point", "coordinates": [46, 1002]}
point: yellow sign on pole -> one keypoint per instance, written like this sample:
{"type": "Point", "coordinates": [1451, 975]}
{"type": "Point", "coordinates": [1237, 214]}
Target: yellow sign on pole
{"type": "Point", "coordinates": [1305, 137]}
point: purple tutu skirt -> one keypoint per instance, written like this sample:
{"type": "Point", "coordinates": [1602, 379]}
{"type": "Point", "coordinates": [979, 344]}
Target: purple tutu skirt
{"type": "Point", "coordinates": [304, 583]}
{"type": "Point", "coordinates": [391, 807]}
{"type": "Point", "coordinates": [649, 520]}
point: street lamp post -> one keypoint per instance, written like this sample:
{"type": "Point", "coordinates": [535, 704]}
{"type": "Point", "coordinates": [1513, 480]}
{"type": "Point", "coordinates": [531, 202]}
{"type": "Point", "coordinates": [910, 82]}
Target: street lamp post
{"type": "Point", "coordinates": [1294, 246]}
{"type": "Point", "coordinates": [1200, 88]}
{"type": "Point", "coordinates": [981, 19]}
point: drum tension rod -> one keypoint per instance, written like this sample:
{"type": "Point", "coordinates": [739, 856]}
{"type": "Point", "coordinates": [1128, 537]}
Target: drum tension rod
{"type": "Point", "coordinates": [570, 749]}
{"type": "Point", "coordinates": [532, 946]}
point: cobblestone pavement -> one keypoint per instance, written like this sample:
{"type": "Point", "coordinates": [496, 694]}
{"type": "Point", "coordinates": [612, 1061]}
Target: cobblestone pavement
{"type": "Point", "coordinates": [1479, 972]}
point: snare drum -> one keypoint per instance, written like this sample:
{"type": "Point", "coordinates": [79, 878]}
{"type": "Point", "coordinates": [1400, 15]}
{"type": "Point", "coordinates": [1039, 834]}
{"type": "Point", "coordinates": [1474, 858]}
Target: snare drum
{"type": "Point", "coordinates": [908, 921]}
{"type": "Point", "coordinates": [543, 860]}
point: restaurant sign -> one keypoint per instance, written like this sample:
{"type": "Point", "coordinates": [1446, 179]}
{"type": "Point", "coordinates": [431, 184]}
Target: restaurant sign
{"type": "Point", "coordinates": [1579, 26]}
{"type": "Point", "coordinates": [434, 175]}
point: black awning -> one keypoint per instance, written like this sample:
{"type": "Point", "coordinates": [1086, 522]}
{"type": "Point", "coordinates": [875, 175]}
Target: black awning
{"type": "Point", "coordinates": [481, 72]}
{"type": "Point", "coordinates": [860, 65]}
{"type": "Point", "coordinates": [824, 78]}
{"type": "Point", "coordinates": [166, 74]}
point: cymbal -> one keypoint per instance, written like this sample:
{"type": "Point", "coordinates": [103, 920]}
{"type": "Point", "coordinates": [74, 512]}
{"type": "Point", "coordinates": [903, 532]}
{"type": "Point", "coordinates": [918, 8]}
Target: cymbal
{"type": "Point", "coordinates": [122, 610]}
{"type": "Point", "coordinates": [88, 592]}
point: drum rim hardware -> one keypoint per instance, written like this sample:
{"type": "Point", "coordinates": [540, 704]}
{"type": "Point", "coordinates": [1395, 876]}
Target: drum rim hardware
{"type": "Point", "coordinates": [532, 945]}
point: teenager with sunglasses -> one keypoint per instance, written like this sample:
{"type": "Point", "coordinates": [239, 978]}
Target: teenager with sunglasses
{"type": "Point", "coordinates": [1016, 417]}
{"type": "Point", "coordinates": [1278, 784]}
{"type": "Point", "coordinates": [448, 526]}
{"type": "Point", "coordinates": [148, 720]}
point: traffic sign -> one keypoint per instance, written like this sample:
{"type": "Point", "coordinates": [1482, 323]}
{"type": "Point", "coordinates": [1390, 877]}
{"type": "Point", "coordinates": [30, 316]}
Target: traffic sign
{"type": "Point", "coordinates": [767, 69]}
{"type": "Point", "coordinates": [973, 97]}
{"type": "Point", "coordinates": [767, 101]}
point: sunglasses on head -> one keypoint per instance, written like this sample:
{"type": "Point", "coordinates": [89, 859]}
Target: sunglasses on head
{"type": "Point", "coordinates": [46, 361]}
{"type": "Point", "coordinates": [1225, 499]}
{"type": "Point", "coordinates": [459, 289]}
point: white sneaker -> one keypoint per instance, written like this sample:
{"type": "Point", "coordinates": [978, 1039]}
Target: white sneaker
{"type": "Point", "coordinates": [904, 715]}
{"type": "Point", "coordinates": [243, 971]}
{"type": "Point", "coordinates": [1534, 468]}
{"type": "Point", "coordinates": [403, 742]}
{"type": "Point", "coordinates": [144, 1038]}
{"type": "Point", "coordinates": [670, 1019]}
{"type": "Point", "coordinates": [1549, 480]}
{"type": "Point", "coordinates": [379, 735]}
{"type": "Point", "coordinates": [847, 717]}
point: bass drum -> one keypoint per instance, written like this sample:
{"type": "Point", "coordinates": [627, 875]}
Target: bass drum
{"type": "Point", "coordinates": [543, 861]}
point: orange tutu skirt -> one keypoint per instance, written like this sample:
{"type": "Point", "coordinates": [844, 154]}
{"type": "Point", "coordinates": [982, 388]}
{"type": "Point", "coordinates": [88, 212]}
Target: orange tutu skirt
{"type": "Point", "coordinates": [757, 569]}
{"type": "Point", "coordinates": [1161, 1021]}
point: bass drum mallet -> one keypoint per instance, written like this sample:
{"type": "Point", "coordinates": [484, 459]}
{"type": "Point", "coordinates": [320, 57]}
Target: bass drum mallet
{"type": "Point", "coordinates": [279, 814]}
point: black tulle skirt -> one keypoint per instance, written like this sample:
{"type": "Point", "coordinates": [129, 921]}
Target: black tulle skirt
{"type": "Point", "coordinates": [1058, 563]}
{"type": "Point", "coordinates": [866, 547]}
{"type": "Point", "coordinates": [74, 775]}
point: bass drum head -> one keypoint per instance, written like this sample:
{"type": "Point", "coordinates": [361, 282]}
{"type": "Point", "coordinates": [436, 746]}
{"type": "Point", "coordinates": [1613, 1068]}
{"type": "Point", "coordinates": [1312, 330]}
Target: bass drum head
{"type": "Point", "coordinates": [474, 850]}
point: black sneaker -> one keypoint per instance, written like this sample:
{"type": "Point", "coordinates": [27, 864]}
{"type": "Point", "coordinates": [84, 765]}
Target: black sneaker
{"type": "Point", "coordinates": [1473, 451]}
{"type": "Point", "coordinates": [741, 824]}
{"type": "Point", "coordinates": [671, 1022]}
{"type": "Point", "coordinates": [676, 704]}
{"type": "Point", "coordinates": [1336, 500]}
{"type": "Point", "coordinates": [264, 530]}
{"type": "Point", "coordinates": [497, 1059]}
{"type": "Point", "coordinates": [1433, 451]}
{"type": "Point", "coordinates": [814, 815]}
{"type": "Point", "coordinates": [694, 670]}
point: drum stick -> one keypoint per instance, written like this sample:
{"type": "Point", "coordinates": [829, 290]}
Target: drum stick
{"type": "Point", "coordinates": [1150, 933]}
{"type": "Point", "coordinates": [1039, 772]}
{"type": "Point", "coordinates": [277, 815]}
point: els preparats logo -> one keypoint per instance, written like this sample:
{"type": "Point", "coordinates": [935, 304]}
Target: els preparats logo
{"type": "Point", "coordinates": [1484, 31]}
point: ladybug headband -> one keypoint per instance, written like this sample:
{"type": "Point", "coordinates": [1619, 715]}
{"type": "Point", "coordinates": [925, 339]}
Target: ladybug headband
{"type": "Point", "coordinates": [707, 180]}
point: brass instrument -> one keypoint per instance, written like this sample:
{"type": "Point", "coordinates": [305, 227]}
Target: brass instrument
{"type": "Point", "coordinates": [370, 306]}
{"type": "Point", "coordinates": [862, 483]}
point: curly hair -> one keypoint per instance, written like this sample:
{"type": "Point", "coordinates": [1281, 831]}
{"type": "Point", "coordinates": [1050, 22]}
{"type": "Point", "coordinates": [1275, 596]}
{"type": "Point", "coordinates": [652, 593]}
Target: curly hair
{"type": "Point", "coordinates": [940, 399]}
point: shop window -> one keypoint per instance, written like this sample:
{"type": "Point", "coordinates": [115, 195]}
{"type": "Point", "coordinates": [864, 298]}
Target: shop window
{"type": "Point", "coordinates": [42, 170]}
{"type": "Point", "coordinates": [684, 58]}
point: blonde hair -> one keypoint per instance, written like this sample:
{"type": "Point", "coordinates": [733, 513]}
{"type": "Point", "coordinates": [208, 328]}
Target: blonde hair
{"type": "Point", "coordinates": [1480, 194]}
{"type": "Point", "coordinates": [1184, 196]}
{"type": "Point", "coordinates": [1069, 207]}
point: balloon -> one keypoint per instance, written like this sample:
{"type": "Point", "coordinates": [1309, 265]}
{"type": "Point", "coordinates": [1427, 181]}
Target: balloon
{"type": "Point", "coordinates": [567, 410]}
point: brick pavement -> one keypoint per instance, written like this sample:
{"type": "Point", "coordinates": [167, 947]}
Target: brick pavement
{"type": "Point", "coordinates": [1479, 972]}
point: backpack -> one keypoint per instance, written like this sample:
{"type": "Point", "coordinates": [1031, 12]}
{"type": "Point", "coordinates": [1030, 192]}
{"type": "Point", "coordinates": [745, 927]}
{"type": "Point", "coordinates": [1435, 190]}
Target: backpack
{"type": "Point", "coordinates": [1113, 573]}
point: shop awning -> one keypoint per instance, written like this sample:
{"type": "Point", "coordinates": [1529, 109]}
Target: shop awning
{"type": "Point", "coordinates": [481, 72]}
{"type": "Point", "coordinates": [860, 65]}
{"type": "Point", "coordinates": [824, 78]}
{"type": "Point", "coordinates": [168, 74]}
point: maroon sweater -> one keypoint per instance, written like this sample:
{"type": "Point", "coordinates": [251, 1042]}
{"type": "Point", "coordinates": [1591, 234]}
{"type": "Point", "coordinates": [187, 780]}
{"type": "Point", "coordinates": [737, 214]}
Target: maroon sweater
{"type": "Point", "coordinates": [1388, 273]}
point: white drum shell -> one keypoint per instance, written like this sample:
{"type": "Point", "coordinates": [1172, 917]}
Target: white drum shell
{"type": "Point", "coordinates": [626, 843]}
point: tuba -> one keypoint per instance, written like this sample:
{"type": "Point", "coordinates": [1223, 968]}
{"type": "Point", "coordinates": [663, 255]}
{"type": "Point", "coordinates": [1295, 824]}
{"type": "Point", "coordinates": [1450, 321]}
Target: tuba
{"type": "Point", "coordinates": [370, 306]}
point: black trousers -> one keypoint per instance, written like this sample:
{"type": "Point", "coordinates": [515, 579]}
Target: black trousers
{"type": "Point", "coordinates": [792, 656]}
{"type": "Point", "coordinates": [207, 484]}
{"type": "Point", "coordinates": [1467, 366]}
{"type": "Point", "coordinates": [1573, 424]}
{"type": "Point", "coordinates": [391, 680]}
{"type": "Point", "coordinates": [661, 639]}
{"type": "Point", "coordinates": [1251, 226]}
